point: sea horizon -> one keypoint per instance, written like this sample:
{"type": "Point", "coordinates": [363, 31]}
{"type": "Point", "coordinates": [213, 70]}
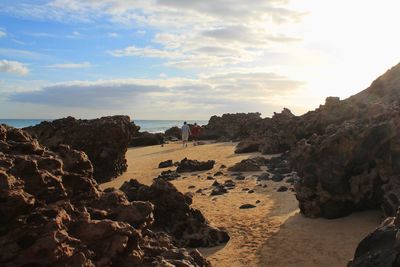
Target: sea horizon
{"type": "Point", "coordinates": [152, 126]}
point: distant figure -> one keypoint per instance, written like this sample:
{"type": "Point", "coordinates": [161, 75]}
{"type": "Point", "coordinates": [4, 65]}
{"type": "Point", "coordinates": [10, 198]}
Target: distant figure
{"type": "Point", "coordinates": [185, 134]}
{"type": "Point", "coordinates": [196, 129]}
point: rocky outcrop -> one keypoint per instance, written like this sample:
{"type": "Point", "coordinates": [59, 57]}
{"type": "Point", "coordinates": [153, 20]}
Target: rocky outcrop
{"type": "Point", "coordinates": [247, 147]}
{"type": "Point", "coordinates": [230, 126]}
{"type": "Point", "coordinates": [188, 165]}
{"type": "Point", "coordinates": [351, 161]}
{"type": "Point", "coordinates": [249, 165]}
{"type": "Point", "coordinates": [147, 139]}
{"type": "Point", "coordinates": [173, 132]}
{"type": "Point", "coordinates": [104, 140]}
{"type": "Point", "coordinates": [52, 213]}
{"type": "Point", "coordinates": [173, 214]}
{"type": "Point", "coordinates": [381, 248]}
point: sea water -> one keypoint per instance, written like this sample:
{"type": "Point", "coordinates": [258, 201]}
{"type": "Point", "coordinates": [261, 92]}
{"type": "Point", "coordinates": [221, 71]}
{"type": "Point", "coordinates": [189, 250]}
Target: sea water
{"type": "Point", "coordinates": [152, 126]}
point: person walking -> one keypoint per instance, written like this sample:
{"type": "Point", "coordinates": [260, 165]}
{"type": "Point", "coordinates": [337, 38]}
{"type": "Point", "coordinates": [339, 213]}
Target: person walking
{"type": "Point", "coordinates": [185, 134]}
{"type": "Point", "coordinates": [195, 134]}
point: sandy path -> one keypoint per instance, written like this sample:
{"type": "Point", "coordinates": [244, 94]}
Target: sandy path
{"type": "Point", "coordinates": [273, 233]}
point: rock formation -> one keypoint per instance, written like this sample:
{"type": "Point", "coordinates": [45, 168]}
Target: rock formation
{"type": "Point", "coordinates": [188, 165]}
{"type": "Point", "coordinates": [104, 140]}
{"type": "Point", "coordinates": [147, 139]}
{"type": "Point", "coordinates": [52, 213]}
{"type": "Point", "coordinates": [173, 214]}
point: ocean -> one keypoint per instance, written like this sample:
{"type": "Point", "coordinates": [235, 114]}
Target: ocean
{"type": "Point", "coordinates": [152, 126]}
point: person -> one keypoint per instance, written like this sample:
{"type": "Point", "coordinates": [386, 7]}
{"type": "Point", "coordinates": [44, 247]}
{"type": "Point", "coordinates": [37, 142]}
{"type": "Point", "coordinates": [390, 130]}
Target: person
{"type": "Point", "coordinates": [185, 134]}
{"type": "Point", "coordinates": [195, 133]}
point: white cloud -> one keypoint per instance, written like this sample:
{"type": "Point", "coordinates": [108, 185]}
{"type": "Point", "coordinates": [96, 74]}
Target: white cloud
{"type": "Point", "coordinates": [71, 65]}
{"type": "Point", "coordinates": [113, 35]}
{"type": "Point", "coordinates": [13, 67]}
{"type": "Point", "coordinates": [3, 33]}
{"type": "Point", "coordinates": [145, 52]}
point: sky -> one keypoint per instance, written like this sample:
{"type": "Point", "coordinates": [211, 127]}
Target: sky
{"type": "Point", "coordinates": [179, 59]}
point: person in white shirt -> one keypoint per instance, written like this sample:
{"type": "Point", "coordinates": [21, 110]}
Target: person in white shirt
{"type": "Point", "coordinates": [185, 134]}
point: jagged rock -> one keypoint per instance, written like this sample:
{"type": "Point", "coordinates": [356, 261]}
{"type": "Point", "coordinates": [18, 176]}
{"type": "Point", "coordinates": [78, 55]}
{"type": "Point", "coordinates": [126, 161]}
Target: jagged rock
{"type": "Point", "coordinates": [146, 139]}
{"type": "Point", "coordinates": [219, 173]}
{"type": "Point", "coordinates": [174, 132]}
{"type": "Point", "coordinates": [168, 175]}
{"type": "Point", "coordinates": [173, 214]}
{"type": "Point", "coordinates": [218, 190]}
{"type": "Point", "coordinates": [381, 248]}
{"type": "Point", "coordinates": [247, 147]}
{"type": "Point", "coordinates": [263, 177]}
{"type": "Point", "coordinates": [54, 214]}
{"type": "Point", "coordinates": [248, 165]}
{"type": "Point", "coordinates": [104, 140]}
{"type": "Point", "coordinates": [188, 165]}
{"type": "Point", "coordinates": [277, 177]}
{"type": "Point", "coordinates": [166, 164]}
{"type": "Point", "coordinates": [282, 189]}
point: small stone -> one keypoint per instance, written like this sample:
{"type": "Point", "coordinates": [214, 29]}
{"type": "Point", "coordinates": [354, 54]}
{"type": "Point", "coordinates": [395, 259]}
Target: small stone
{"type": "Point", "coordinates": [240, 177]}
{"type": "Point", "coordinates": [258, 201]}
{"type": "Point", "coordinates": [222, 166]}
{"type": "Point", "coordinates": [191, 186]}
{"type": "Point", "coordinates": [282, 189]}
{"type": "Point", "coordinates": [247, 206]}
{"type": "Point", "coordinates": [277, 177]}
{"type": "Point", "coordinates": [250, 191]}
{"type": "Point", "coordinates": [210, 178]}
{"type": "Point", "coordinates": [218, 173]}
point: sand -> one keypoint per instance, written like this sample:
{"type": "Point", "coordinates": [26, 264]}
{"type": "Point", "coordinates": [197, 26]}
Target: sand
{"type": "Point", "coordinates": [272, 234]}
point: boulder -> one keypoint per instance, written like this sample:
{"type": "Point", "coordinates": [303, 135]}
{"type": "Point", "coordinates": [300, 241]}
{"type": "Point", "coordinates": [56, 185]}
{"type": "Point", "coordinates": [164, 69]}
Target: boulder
{"type": "Point", "coordinates": [188, 165]}
{"type": "Point", "coordinates": [247, 147]}
{"type": "Point", "coordinates": [249, 165]}
{"type": "Point", "coordinates": [166, 164]}
{"type": "Point", "coordinates": [146, 139]}
{"type": "Point", "coordinates": [104, 140]}
{"type": "Point", "coordinates": [173, 214]}
{"type": "Point", "coordinates": [54, 214]}
{"type": "Point", "coordinates": [174, 132]}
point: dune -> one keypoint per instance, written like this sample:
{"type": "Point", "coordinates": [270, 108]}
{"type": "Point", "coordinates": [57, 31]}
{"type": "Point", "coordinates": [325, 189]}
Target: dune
{"type": "Point", "coordinates": [273, 233]}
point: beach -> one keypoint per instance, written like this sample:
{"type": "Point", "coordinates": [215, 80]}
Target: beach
{"type": "Point", "coordinates": [273, 233]}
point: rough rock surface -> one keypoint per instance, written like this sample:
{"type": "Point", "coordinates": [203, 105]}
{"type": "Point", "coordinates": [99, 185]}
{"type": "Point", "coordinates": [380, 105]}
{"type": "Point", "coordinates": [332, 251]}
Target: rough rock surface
{"type": "Point", "coordinates": [104, 140]}
{"type": "Point", "coordinates": [249, 165]}
{"type": "Point", "coordinates": [188, 165]}
{"type": "Point", "coordinates": [52, 213]}
{"type": "Point", "coordinates": [247, 147]}
{"type": "Point", "coordinates": [174, 132]}
{"type": "Point", "coordinates": [146, 139]}
{"type": "Point", "coordinates": [166, 164]}
{"type": "Point", "coordinates": [173, 214]}
{"type": "Point", "coordinates": [381, 248]}
{"type": "Point", "coordinates": [355, 164]}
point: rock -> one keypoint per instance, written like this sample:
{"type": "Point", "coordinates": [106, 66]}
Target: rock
{"type": "Point", "coordinates": [282, 189]}
{"type": "Point", "coordinates": [250, 191]}
{"type": "Point", "coordinates": [245, 189]}
{"type": "Point", "coordinates": [258, 201]}
{"type": "Point", "coordinates": [277, 177]}
{"type": "Point", "coordinates": [173, 214]}
{"type": "Point", "coordinates": [54, 214]}
{"type": "Point", "coordinates": [187, 165]}
{"type": "Point", "coordinates": [166, 164]}
{"type": "Point", "coordinates": [191, 186]}
{"type": "Point", "coordinates": [248, 165]}
{"type": "Point", "coordinates": [104, 140]}
{"type": "Point", "coordinates": [199, 191]}
{"type": "Point", "coordinates": [147, 139]}
{"type": "Point", "coordinates": [240, 177]}
{"type": "Point", "coordinates": [222, 166]}
{"type": "Point", "coordinates": [174, 132]}
{"type": "Point", "coordinates": [210, 178]}
{"type": "Point", "coordinates": [247, 206]}
{"type": "Point", "coordinates": [215, 183]}
{"type": "Point", "coordinates": [229, 184]}
{"type": "Point", "coordinates": [380, 248]}
{"type": "Point", "coordinates": [219, 173]}
{"type": "Point", "coordinates": [290, 180]}
{"type": "Point", "coordinates": [263, 177]}
{"type": "Point", "coordinates": [247, 147]}
{"type": "Point", "coordinates": [218, 190]}
{"type": "Point", "coordinates": [168, 175]}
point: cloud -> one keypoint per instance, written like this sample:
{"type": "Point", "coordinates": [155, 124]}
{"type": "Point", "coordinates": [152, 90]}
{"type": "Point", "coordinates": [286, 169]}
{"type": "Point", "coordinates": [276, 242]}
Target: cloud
{"type": "Point", "coordinates": [113, 35]}
{"type": "Point", "coordinates": [3, 33]}
{"type": "Point", "coordinates": [71, 65]}
{"type": "Point", "coordinates": [144, 52]}
{"type": "Point", "coordinates": [17, 53]}
{"type": "Point", "coordinates": [13, 67]}
{"type": "Point", "coordinates": [166, 94]}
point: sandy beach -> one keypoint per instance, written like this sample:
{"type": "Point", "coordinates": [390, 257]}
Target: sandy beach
{"type": "Point", "coordinates": [272, 234]}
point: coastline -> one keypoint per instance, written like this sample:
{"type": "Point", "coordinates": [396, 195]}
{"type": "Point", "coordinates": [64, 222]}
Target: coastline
{"type": "Point", "coordinates": [273, 233]}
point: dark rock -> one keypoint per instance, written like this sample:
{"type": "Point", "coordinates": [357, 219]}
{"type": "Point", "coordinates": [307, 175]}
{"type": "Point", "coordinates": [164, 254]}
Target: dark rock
{"type": "Point", "coordinates": [247, 206]}
{"type": "Point", "coordinates": [282, 189]}
{"type": "Point", "coordinates": [187, 165]}
{"type": "Point", "coordinates": [222, 166]}
{"type": "Point", "coordinates": [240, 177]}
{"type": "Point", "coordinates": [277, 177]}
{"type": "Point", "coordinates": [258, 201]}
{"type": "Point", "coordinates": [191, 186]}
{"type": "Point", "coordinates": [104, 140]}
{"type": "Point", "coordinates": [199, 191]}
{"type": "Point", "coordinates": [168, 175]}
{"type": "Point", "coordinates": [54, 214]}
{"type": "Point", "coordinates": [173, 214]}
{"type": "Point", "coordinates": [218, 190]}
{"type": "Point", "coordinates": [263, 177]}
{"type": "Point", "coordinates": [166, 164]}
{"type": "Point", "coordinates": [147, 139]}
{"type": "Point", "coordinates": [210, 178]}
{"type": "Point", "coordinates": [229, 184]}
{"type": "Point", "coordinates": [174, 132]}
{"type": "Point", "coordinates": [215, 183]}
{"type": "Point", "coordinates": [247, 147]}
{"type": "Point", "coordinates": [248, 165]}
{"type": "Point", "coordinates": [250, 191]}
{"type": "Point", "coordinates": [218, 173]}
